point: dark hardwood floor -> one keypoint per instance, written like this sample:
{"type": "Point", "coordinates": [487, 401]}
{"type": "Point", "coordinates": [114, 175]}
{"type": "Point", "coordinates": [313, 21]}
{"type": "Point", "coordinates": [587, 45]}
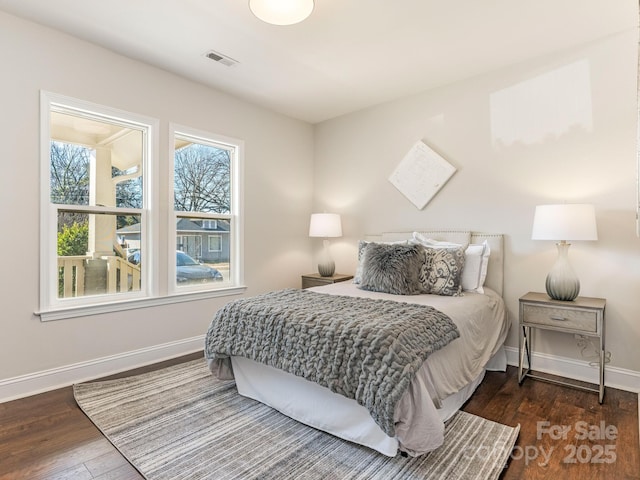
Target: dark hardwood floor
{"type": "Point", "coordinates": [47, 436]}
{"type": "Point", "coordinates": [564, 432]}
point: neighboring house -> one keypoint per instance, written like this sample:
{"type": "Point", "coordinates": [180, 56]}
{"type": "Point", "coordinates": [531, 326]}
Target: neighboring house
{"type": "Point", "coordinates": [206, 241]}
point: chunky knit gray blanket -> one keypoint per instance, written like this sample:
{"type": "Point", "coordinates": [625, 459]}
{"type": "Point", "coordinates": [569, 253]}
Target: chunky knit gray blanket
{"type": "Point", "coordinates": [365, 349]}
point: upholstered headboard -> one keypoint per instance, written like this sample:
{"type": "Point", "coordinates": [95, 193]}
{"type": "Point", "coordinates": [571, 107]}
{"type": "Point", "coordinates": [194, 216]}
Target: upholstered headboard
{"type": "Point", "coordinates": [495, 270]}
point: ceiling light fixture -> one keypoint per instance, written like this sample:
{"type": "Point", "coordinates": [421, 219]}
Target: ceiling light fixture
{"type": "Point", "coordinates": [281, 12]}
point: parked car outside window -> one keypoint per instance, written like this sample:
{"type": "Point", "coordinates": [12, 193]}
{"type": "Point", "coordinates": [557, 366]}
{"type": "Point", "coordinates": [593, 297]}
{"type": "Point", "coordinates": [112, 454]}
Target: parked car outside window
{"type": "Point", "coordinates": [187, 269]}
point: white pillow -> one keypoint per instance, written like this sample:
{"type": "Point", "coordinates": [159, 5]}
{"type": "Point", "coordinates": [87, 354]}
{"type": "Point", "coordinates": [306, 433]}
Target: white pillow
{"type": "Point", "coordinates": [475, 267]}
{"type": "Point", "coordinates": [430, 242]}
{"type": "Point", "coordinates": [461, 238]}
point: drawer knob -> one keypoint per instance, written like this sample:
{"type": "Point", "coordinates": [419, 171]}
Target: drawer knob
{"type": "Point", "coordinates": [558, 318]}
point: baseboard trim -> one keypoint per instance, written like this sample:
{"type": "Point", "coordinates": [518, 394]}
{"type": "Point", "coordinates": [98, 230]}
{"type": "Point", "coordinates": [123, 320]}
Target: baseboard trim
{"type": "Point", "coordinates": [46, 380]}
{"type": "Point", "coordinates": [615, 377]}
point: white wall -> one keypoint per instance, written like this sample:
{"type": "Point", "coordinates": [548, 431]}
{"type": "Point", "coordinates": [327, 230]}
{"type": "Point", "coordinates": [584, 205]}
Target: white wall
{"type": "Point", "coordinates": [548, 130]}
{"type": "Point", "coordinates": [511, 154]}
{"type": "Point", "coordinates": [278, 196]}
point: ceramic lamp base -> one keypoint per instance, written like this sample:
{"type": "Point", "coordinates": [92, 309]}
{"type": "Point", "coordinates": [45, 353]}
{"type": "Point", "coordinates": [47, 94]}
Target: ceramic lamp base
{"type": "Point", "coordinates": [326, 265]}
{"type": "Point", "coordinates": [326, 269]}
{"type": "Point", "coordinates": [562, 282]}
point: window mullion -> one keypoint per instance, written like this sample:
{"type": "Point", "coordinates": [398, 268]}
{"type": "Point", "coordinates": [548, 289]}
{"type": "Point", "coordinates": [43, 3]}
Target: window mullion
{"type": "Point", "coordinates": [90, 209]}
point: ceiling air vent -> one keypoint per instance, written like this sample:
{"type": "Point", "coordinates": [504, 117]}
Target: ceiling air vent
{"type": "Point", "coordinates": [223, 59]}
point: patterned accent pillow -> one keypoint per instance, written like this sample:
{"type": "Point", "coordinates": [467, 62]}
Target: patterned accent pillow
{"type": "Point", "coordinates": [392, 268]}
{"type": "Point", "coordinates": [442, 271]}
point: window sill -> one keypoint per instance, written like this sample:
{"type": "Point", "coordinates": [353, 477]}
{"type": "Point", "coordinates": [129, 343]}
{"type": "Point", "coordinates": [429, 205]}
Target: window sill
{"type": "Point", "coordinates": [86, 310]}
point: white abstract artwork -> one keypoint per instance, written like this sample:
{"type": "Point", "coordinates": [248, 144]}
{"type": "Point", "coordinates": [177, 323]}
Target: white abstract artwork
{"type": "Point", "coordinates": [421, 174]}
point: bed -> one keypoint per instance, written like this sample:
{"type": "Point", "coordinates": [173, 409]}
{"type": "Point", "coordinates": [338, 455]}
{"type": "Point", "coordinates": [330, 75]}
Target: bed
{"type": "Point", "coordinates": [438, 387]}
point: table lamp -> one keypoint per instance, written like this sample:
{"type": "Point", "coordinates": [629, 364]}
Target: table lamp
{"type": "Point", "coordinates": [325, 225]}
{"type": "Point", "coordinates": [561, 223]}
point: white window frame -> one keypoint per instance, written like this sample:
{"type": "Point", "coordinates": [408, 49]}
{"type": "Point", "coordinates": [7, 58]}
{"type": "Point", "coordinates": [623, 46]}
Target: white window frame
{"type": "Point", "coordinates": [154, 291]}
{"type": "Point", "coordinates": [236, 239]}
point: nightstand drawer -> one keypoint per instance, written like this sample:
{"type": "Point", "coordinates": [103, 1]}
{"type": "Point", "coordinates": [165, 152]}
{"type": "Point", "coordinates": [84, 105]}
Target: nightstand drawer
{"type": "Point", "coordinates": [579, 320]}
{"type": "Point", "coordinates": [313, 282]}
{"type": "Point", "coordinates": [316, 280]}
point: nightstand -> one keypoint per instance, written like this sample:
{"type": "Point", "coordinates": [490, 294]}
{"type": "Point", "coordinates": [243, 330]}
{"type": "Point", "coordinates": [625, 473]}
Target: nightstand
{"type": "Point", "coordinates": [316, 280]}
{"type": "Point", "coordinates": [582, 316]}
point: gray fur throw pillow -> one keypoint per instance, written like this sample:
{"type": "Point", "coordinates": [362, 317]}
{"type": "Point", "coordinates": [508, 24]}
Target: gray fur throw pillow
{"type": "Point", "coordinates": [442, 271]}
{"type": "Point", "coordinates": [357, 278]}
{"type": "Point", "coordinates": [392, 268]}
{"type": "Point", "coordinates": [361, 246]}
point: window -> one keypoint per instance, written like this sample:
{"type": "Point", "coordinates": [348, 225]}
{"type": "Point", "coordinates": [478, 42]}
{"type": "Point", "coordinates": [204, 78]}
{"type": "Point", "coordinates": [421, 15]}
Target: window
{"type": "Point", "coordinates": [95, 174]}
{"type": "Point", "coordinates": [206, 206]}
{"type": "Point", "coordinates": [101, 232]}
{"type": "Point", "coordinates": [215, 243]}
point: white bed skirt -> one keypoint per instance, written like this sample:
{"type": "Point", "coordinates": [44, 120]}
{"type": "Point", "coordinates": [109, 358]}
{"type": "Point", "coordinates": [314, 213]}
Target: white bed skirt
{"type": "Point", "coordinates": [333, 413]}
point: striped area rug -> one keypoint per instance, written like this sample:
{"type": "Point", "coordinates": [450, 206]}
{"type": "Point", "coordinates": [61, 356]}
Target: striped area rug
{"type": "Point", "coordinates": [182, 423]}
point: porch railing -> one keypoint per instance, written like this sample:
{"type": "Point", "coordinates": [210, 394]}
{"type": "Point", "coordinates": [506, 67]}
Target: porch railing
{"type": "Point", "coordinates": [71, 276]}
{"type": "Point", "coordinates": [121, 275]}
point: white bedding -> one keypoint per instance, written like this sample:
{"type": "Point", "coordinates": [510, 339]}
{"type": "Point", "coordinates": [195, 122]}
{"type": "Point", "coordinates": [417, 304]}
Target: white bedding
{"type": "Point", "coordinates": [446, 380]}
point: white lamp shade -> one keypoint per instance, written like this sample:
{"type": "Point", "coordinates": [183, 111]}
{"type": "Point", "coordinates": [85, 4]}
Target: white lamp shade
{"type": "Point", "coordinates": [564, 222]}
{"type": "Point", "coordinates": [325, 225]}
{"type": "Point", "coordinates": [281, 12]}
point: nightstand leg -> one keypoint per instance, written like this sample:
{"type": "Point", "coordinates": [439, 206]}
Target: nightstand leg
{"type": "Point", "coordinates": [524, 349]}
{"type": "Point", "coordinates": [602, 359]}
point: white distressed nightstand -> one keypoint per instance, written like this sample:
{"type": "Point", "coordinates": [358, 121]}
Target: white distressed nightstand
{"type": "Point", "coordinates": [582, 316]}
{"type": "Point", "coordinates": [316, 280]}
